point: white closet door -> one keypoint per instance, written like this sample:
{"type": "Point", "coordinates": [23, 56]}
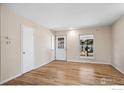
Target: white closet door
{"type": "Point", "coordinates": [27, 49]}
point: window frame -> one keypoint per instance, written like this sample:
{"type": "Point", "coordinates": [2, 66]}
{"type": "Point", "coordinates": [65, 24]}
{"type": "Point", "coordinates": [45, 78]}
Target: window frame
{"type": "Point", "coordinates": [87, 57]}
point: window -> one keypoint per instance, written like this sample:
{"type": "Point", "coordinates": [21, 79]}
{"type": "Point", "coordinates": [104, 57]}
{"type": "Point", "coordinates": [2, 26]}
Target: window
{"type": "Point", "coordinates": [61, 43]}
{"type": "Point", "coordinates": [86, 46]}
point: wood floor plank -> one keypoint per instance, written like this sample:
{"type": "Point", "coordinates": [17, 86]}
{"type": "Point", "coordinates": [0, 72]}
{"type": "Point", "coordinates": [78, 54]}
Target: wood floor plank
{"type": "Point", "coordinates": [70, 73]}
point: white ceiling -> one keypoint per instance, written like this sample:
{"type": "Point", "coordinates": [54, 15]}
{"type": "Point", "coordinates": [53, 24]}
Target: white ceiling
{"type": "Point", "coordinates": [69, 16]}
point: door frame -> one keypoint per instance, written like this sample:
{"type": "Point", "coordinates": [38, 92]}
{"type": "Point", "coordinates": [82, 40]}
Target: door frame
{"type": "Point", "coordinates": [21, 50]}
{"type": "Point", "coordinates": [65, 49]}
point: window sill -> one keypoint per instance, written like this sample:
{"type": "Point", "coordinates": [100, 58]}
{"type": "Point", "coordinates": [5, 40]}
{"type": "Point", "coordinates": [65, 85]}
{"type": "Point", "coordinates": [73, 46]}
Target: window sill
{"type": "Point", "coordinates": [87, 57]}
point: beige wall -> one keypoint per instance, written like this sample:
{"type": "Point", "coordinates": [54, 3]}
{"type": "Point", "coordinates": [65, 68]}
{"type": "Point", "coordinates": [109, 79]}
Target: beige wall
{"type": "Point", "coordinates": [0, 43]}
{"type": "Point", "coordinates": [102, 44]}
{"type": "Point", "coordinates": [10, 65]}
{"type": "Point", "coordinates": [11, 54]}
{"type": "Point", "coordinates": [118, 44]}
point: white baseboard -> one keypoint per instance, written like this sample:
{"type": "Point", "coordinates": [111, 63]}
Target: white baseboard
{"type": "Point", "coordinates": [88, 61]}
{"type": "Point", "coordinates": [109, 63]}
{"type": "Point", "coordinates": [42, 64]}
{"type": "Point", "coordinates": [117, 68]}
{"type": "Point", "coordinates": [4, 81]}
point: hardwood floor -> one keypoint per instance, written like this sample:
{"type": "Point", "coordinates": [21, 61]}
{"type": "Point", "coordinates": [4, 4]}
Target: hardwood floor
{"type": "Point", "coordinates": [70, 73]}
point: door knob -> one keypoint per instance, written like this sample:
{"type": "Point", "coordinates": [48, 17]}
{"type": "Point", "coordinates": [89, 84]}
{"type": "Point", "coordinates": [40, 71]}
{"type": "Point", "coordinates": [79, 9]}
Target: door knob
{"type": "Point", "coordinates": [23, 52]}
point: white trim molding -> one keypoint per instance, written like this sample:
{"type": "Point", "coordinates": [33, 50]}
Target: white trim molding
{"type": "Point", "coordinates": [90, 61]}
{"type": "Point", "coordinates": [2, 82]}
{"type": "Point", "coordinates": [117, 69]}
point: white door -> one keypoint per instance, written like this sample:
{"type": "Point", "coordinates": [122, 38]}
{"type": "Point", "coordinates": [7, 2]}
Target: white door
{"type": "Point", "coordinates": [60, 47]}
{"type": "Point", "coordinates": [27, 49]}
